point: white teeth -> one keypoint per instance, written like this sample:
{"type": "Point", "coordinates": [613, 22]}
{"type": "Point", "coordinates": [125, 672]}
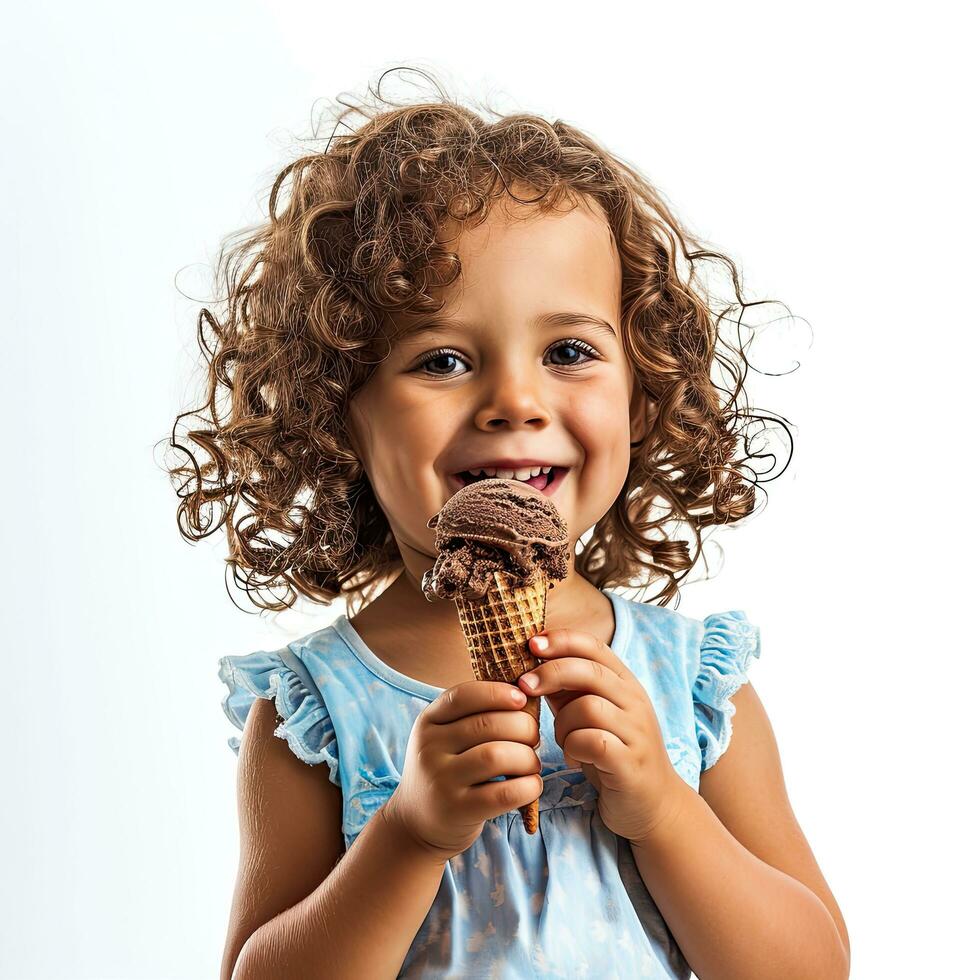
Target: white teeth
{"type": "Point", "coordinates": [523, 475]}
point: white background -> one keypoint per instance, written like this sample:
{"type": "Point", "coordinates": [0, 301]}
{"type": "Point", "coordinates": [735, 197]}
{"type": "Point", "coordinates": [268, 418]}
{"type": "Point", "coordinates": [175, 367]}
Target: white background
{"type": "Point", "coordinates": [826, 147]}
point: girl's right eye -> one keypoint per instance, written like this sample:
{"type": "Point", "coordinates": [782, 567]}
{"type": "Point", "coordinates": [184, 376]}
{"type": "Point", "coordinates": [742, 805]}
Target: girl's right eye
{"type": "Point", "coordinates": [438, 355]}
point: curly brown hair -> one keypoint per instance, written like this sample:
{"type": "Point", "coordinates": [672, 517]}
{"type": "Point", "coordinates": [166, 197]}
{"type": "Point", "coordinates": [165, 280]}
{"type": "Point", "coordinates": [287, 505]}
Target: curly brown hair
{"type": "Point", "coordinates": [311, 298]}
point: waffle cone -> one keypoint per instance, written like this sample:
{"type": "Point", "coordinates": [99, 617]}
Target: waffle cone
{"type": "Point", "coordinates": [497, 627]}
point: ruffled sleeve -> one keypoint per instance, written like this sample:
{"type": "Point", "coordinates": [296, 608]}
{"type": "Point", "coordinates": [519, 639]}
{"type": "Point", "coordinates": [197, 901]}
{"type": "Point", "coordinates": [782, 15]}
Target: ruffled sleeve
{"type": "Point", "coordinates": [281, 676]}
{"type": "Point", "coordinates": [728, 644]}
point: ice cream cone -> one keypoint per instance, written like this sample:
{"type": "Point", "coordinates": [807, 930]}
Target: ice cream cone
{"type": "Point", "coordinates": [497, 627]}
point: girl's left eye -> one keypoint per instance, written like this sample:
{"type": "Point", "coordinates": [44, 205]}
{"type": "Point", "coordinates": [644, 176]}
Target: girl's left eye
{"type": "Point", "coordinates": [572, 344]}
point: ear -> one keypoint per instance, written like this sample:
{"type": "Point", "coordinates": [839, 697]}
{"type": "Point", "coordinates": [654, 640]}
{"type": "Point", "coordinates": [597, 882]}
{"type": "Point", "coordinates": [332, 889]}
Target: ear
{"type": "Point", "coordinates": [642, 411]}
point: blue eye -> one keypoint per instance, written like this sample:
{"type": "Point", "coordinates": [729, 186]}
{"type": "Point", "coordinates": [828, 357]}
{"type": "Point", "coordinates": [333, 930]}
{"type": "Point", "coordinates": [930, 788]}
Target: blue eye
{"type": "Point", "coordinates": [447, 353]}
{"type": "Point", "coordinates": [576, 345]}
{"type": "Point", "coordinates": [437, 355]}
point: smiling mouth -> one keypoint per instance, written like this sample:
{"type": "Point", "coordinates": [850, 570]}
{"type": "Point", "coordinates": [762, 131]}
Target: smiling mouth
{"type": "Point", "coordinates": [554, 479]}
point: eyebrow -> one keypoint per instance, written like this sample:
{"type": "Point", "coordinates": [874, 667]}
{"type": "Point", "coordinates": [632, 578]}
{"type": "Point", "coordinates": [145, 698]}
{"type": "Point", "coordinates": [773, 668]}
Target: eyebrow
{"type": "Point", "coordinates": [545, 320]}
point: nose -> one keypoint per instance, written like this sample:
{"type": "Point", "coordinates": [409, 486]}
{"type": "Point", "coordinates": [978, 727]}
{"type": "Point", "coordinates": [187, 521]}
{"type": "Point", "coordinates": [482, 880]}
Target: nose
{"type": "Point", "coordinates": [513, 397]}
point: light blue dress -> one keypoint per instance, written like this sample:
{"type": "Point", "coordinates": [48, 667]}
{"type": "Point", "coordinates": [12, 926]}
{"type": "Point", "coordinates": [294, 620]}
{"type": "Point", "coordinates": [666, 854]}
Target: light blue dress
{"type": "Point", "coordinates": [567, 901]}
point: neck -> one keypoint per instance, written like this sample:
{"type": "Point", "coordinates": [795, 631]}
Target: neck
{"type": "Point", "coordinates": [565, 601]}
{"type": "Point", "coordinates": [423, 639]}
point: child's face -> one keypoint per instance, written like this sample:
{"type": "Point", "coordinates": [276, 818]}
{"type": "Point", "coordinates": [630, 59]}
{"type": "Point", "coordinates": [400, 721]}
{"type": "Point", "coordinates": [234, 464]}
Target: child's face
{"type": "Point", "coordinates": [506, 387]}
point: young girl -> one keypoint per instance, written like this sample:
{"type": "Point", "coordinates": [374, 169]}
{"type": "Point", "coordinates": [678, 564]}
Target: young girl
{"type": "Point", "coordinates": [442, 298]}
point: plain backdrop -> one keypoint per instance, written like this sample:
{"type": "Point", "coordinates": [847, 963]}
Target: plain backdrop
{"type": "Point", "coordinates": [826, 147]}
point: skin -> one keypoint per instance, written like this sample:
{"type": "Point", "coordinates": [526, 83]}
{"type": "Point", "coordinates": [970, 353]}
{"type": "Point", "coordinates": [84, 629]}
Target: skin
{"type": "Point", "coordinates": [509, 389]}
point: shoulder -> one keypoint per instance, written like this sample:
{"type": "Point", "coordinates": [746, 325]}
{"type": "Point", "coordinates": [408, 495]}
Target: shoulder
{"type": "Point", "coordinates": [692, 645]}
{"type": "Point", "coordinates": [292, 679]}
{"type": "Point", "coordinates": [701, 661]}
{"type": "Point", "coordinates": [663, 633]}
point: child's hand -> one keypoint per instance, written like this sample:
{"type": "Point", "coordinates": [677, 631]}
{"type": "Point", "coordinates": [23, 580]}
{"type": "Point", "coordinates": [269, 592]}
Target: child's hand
{"type": "Point", "coordinates": [604, 719]}
{"type": "Point", "coordinates": [471, 733]}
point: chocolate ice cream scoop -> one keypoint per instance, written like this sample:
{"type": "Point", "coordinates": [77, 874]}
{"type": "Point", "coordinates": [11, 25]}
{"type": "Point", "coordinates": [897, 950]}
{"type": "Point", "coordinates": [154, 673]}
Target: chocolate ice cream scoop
{"type": "Point", "coordinates": [495, 526]}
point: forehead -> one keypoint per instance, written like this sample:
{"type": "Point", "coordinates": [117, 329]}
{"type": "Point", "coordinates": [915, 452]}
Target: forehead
{"type": "Point", "coordinates": [523, 262]}
{"type": "Point", "coordinates": [513, 233]}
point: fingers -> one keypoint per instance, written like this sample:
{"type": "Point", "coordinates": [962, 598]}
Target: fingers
{"type": "Point", "coordinates": [494, 759]}
{"type": "Point", "coordinates": [471, 697]}
{"type": "Point", "coordinates": [489, 726]}
{"type": "Point", "coordinates": [598, 748]}
{"type": "Point", "coordinates": [591, 712]}
{"type": "Point", "coordinates": [549, 644]}
{"type": "Point", "coordinates": [570, 673]}
{"type": "Point", "coordinates": [492, 799]}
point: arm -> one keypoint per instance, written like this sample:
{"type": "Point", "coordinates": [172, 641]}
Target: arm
{"type": "Point", "coordinates": [360, 922]}
{"type": "Point", "coordinates": [735, 914]}
{"type": "Point", "coordinates": [302, 906]}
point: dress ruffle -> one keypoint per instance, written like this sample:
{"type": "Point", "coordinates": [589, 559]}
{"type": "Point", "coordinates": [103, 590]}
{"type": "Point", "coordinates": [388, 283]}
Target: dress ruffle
{"type": "Point", "coordinates": [728, 644]}
{"type": "Point", "coordinates": [281, 677]}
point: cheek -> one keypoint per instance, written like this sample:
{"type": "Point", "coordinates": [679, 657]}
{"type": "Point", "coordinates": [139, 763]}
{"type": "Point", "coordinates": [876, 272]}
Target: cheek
{"type": "Point", "coordinates": [600, 421]}
{"type": "Point", "coordinates": [400, 423]}
{"type": "Point", "coordinates": [406, 434]}
{"type": "Point", "coordinates": [420, 429]}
